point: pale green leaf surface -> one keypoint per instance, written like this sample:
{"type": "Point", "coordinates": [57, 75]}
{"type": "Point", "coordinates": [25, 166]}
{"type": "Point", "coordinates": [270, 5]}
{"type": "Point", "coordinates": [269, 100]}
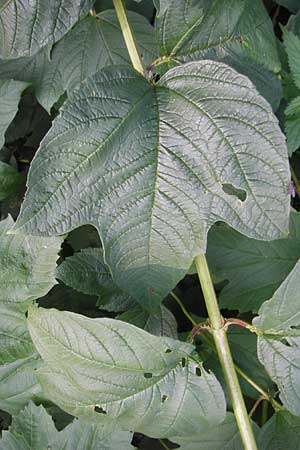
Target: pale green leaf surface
{"type": "Point", "coordinates": [148, 166]}
{"type": "Point", "coordinates": [199, 29]}
{"type": "Point", "coordinates": [279, 346]}
{"type": "Point", "coordinates": [254, 269]}
{"type": "Point", "coordinates": [225, 436]}
{"type": "Point", "coordinates": [126, 374]}
{"type": "Point", "coordinates": [10, 180]}
{"type": "Point", "coordinates": [32, 429]}
{"type": "Point", "coordinates": [10, 94]}
{"type": "Point", "coordinates": [162, 323]}
{"type": "Point", "coordinates": [27, 266]}
{"type": "Point", "coordinates": [95, 42]}
{"type": "Point", "coordinates": [83, 435]}
{"type": "Point", "coordinates": [281, 432]}
{"type": "Point", "coordinates": [27, 26]}
{"type": "Point", "coordinates": [18, 383]}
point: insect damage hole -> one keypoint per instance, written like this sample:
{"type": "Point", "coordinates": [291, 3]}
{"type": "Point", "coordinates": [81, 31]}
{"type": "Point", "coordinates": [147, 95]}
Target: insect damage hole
{"type": "Point", "coordinates": [183, 362]}
{"type": "Point", "coordinates": [198, 371]}
{"type": "Point", "coordinates": [229, 189]}
{"type": "Point", "coordinates": [148, 375]}
{"type": "Point", "coordinates": [168, 350]}
{"type": "Point", "coordinates": [164, 398]}
{"type": "Point", "coordinates": [99, 410]}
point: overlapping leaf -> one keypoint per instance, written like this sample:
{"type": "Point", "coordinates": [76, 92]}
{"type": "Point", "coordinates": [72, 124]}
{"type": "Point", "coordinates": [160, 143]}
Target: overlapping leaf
{"type": "Point", "coordinates": [237, 32]}
{"type": "Point", "coordinates": [33, 429]}
{"type": "Point", "coordinates": [27, 26]}
{"type": "Point", "coordinates": [10, 179]}
{"type": "Point", "coordinates": [279, 344]}
{"type": "Point", "coordinates": [281, 432]}
{"type": "Point", "coordinates": [254, 269]}
{"type": "Point", "coordinates": [27, 272]}
{"type": "Point", "coordinates": [113, 370]}
{"type": "Point", "coordinates": [10, 94]}
{"type": "Point", "coordinates": [95, 42]}
{"type": "Point", "coordinates": [151, 167]}
{"type": "Point", "coordinates": [225, 436]}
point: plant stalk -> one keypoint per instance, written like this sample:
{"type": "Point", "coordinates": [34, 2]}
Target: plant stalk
{"type": "Point", "coordinates": [128, 36]}
{"type": "Point", "coordinates": [295, 181]}
{"type": "Point", "coordinates": [224, 353]}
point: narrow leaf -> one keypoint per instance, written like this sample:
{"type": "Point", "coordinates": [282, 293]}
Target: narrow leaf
{"type": "Point", "coordinates": [10, 94]}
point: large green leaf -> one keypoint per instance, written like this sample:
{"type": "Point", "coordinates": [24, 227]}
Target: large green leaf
{"type": "Point", "coordinates": [10, 94]}
{"type": "Point", "coordinates": [111, 370]}
{"type": "Point", "coordinates": [27, 26]}
{"type": "Point", "coordinates": [292, 5]}
{"type": "Point", "coordinates": [27, 272]}
{"type": "Point", "coordinates": [95, 42]}
{"type": "Point", "coordinates": [10, 180]}
{"type": "Point", "coordinates": [151, 167]}
{"type": "Point", "coordinates": [33, 429]}
{"type": "Point", "coordinates": [281, 432]}
{"type": "Point", "coordinates": [279, 344]}
{"type": "Point", "coordinates": [225, 436]}
{"type": "Point", "coordinates": [192, 30]}
{"type": "Point", "coordinates": [292, 125]}
{"type": "Point", "coordinates": [254, 269]}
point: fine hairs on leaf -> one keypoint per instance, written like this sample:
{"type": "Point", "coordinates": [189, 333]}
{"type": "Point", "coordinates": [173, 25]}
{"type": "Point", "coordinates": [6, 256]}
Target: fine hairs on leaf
{"type": "Point", "coordinates": [150, 268]}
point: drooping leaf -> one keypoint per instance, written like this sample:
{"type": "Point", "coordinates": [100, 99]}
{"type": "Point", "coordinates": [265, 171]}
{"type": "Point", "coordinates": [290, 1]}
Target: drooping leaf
{"type": "Point", "coordinates": [148, 167]}
{"type": "Point", "coordinates": [10, 180]}
{"type": "Point", "coordinates": [162, 323]}
{"type": "Point", "coordinates": [94, 43]}
{"type": "Point", "coordinates": [281, 432]}
{"type": "Point", "coordinates": [86, 272]}
{"type": "Point", "coordinates": [199, 29]}
{"type": "Point", "coordinates": [27, 26]}
{"type": "Point", "coordinates": [254, 269]}
{"type": "Point", "coordinates": [279, 345]}
{"type": "Point", "coordinates": [112, 370]}
{"type": "Point", "coordinates": [10, 94]}
{"type": "Point", "coordinates": [225, 436]}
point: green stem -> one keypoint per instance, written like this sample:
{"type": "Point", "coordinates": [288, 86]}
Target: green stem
{"type": "Point", "coordinates": [264, 413]}
{"type": "Point", "coordinates": [224, 353]}
{"type": "Point", "coordinates": [183, 309]}
{"type": "Point", "coordinates": [128, 36]}
{"type": "Point", "coordinates": [163, 444]}
{"type": "Point", "coordinates": [276, 406]}
{"type": "Point", "coordinates": [295, 181]}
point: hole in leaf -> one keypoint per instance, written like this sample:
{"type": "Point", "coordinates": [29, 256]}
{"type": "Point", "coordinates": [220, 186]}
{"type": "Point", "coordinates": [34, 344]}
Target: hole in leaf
{"type": "Point", "coordinates": [198, 371]}
{"type": "Point", "coordinates": [164, 398]}
{"type": "Point", "coordinates": [183, 362]}
{"type": "Point", "coordinates": [148, 375]}
{"type": "Point", "coordinates": [26, 314]}
{"type": "Point", "coordinates": [168, 350]}
{"type": "Point", "coordinates": [229, 189]}
{"type": "Point", "coordinates": [99, 410]}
